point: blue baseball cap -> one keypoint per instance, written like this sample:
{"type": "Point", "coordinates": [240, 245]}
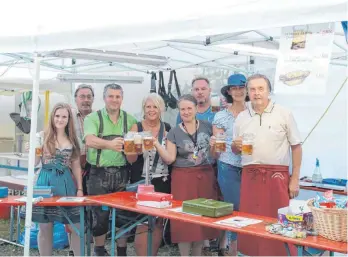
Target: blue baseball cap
{"type": "Point", "coordinates": [235, 80]}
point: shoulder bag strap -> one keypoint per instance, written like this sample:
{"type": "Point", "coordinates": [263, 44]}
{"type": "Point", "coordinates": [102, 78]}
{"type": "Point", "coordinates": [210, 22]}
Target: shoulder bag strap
{"type": "Point", "coordinates": [140, 126]}
{"type": "Point", "coordinates": [153, 82]}
{"type": "Point", "coordinates": [170, 82]}
{"type": "Point", "coordinates": [176, 84]}
{"type": "Point", "coordinates": [160, 137]}
{"type": "Point", "coordinates": [125, 127]}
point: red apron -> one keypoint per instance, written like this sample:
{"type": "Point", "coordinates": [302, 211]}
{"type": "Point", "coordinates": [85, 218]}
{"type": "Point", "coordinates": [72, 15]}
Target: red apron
{"type": "Point", "coordinates": [264, 189]}
{"type": "Point", "coordinates": [191, 183]}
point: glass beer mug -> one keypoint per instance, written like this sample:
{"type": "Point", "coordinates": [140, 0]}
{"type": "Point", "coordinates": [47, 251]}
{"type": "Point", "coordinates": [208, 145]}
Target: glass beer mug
{"type": "Point", "coordinates": [38, 146]}
{"type": "Point", "coordinates": [147, 141]}
{"type": "Point", "coordinates": [220, 144]}
{"type": "Point", "coordinates": [138, 142]}
{"type": "Point", "coordinates": [129, 145]}
{"type": "Point", "coordinates": [247, 144]}
{"type": "Point", "coordinates": [215, 104]}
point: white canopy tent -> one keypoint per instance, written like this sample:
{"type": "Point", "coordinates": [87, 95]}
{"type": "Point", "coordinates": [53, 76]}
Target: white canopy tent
{"type": "Point", "coordinates": [141, 27]}
{"type": "Point", "coordinates": [46, 26]}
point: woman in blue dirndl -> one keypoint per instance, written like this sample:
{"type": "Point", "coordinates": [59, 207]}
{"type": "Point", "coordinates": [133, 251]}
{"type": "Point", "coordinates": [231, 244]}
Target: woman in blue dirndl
{"type": "Point", "coordinates": [62, 171]}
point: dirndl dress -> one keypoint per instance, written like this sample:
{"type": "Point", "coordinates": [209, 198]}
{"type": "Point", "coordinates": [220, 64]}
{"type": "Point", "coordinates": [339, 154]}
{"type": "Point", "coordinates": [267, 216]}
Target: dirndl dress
{"type": "Point", "coordinates": [55, 172]}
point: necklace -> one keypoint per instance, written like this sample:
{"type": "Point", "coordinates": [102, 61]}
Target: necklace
{"type": "Point", "coordinates": [193, 139]}
{"type": "Point", "coordinates": [151, 125]}
{"type": "Point", "coordinates": [153, 128]}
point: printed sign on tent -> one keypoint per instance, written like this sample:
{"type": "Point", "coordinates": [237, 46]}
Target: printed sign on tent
{"type": "Point", "coordinates": [303, 63]}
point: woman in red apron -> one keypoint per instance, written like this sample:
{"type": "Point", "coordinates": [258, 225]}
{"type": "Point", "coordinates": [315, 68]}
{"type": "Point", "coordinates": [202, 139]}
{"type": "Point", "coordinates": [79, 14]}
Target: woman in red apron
{"type": "Point", "coordinates": [188, 148]}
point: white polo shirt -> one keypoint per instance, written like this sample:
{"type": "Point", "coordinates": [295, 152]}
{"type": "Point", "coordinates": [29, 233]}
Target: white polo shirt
{"type": "Point", "coordinates": [275, 130]}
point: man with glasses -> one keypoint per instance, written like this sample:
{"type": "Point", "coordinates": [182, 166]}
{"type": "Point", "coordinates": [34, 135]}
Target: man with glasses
{"type": "Point", "coordinates": [84, 96]}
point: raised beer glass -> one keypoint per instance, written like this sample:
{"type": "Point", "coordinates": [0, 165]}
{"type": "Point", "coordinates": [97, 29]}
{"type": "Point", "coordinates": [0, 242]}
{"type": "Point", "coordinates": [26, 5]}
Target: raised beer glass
{"type": "Point", "coordinates": [147, 141]}
{"type": "Point", "coordinates": [129, 145]}
{"type": "Point", "coordinates": [247, 144]}
{"type": "Point", "coordinates": [215, 104]}
{"type": "Point", "coordinates": [220, 144]}
{"type": "Point", "coordinates": [138, 141]}
{"type": "Point", "coordinates": [38, 146]}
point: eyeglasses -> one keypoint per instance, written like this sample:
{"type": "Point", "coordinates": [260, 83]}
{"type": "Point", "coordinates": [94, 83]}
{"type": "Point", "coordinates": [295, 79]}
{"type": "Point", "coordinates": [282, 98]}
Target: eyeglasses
{"type": "Point", "coordinates": [88, 97]}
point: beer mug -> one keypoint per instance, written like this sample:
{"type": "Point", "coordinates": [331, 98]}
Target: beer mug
{"type": "Point", "coordinates": [138, 142]}
{"type": "Point", "coordinates": [247, 144]}
{"type": "Point", "coordinates": [215, 104]}
{"type": "Point", "coordinates": [38, 145]}
{"type": "Point", "coordinates": [129, 145]}
{"type": "Point", "coordinates": [147, 140]}
{"type": "Point", "coordinates": [220, 144]}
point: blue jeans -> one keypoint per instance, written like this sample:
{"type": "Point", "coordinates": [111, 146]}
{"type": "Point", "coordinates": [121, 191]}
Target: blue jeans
{"type": "Point", "coordinates": [229, 179]}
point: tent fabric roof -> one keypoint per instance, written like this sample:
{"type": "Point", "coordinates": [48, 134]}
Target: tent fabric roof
{"type": "Point", "coordinates": [55, 25]}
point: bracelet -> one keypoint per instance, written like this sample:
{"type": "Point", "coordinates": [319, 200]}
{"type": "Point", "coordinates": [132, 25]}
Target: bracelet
{"type": "Point", "coordinates": [80, 190]}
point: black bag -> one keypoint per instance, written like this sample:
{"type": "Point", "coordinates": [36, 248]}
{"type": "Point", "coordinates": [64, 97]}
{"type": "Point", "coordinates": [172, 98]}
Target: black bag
{"type": "Point", "coordinates": [21, 123]}
{"type": "Point", "coordinates": [172, 101]}
{"type": "Point", "coordinates": [153, 82]}
{"type": "Point", "coordinates": [162, 90]}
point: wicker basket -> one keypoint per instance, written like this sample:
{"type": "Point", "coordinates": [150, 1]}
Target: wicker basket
{"type": "Point", "coordinates": [330, 223]}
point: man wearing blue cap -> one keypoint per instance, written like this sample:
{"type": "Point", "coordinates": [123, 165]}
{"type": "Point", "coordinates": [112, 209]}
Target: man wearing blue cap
{"type": "Point", "coordinates": [201, 91]}
{"type": "Point", "coordinates": [229, 163]}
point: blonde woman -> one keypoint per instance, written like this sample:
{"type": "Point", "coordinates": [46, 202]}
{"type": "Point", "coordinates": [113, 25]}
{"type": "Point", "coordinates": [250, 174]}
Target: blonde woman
{"type": "Point", "coordinates": [60, 152]}
{"type": "Point", "coordinates": [152, 106]}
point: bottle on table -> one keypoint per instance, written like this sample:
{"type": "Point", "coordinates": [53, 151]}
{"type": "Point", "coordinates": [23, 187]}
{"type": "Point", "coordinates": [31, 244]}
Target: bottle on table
{"type": "Point", "coordinates": [316, 177]}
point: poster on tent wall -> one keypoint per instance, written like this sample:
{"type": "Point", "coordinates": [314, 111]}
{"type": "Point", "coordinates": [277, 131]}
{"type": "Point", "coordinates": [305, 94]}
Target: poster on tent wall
{"type": "Point", "coordinates": [303, 64]}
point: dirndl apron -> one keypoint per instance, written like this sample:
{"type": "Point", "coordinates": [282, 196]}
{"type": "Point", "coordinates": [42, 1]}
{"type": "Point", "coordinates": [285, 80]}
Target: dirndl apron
{"type": "Point", "coordinates": [264, 190]}
{"type": "Point", "coordinates": [191, 183]}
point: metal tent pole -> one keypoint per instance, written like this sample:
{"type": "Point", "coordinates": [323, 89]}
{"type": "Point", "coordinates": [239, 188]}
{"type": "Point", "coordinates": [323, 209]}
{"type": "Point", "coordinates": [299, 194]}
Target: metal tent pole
{"type": "Point", "coordinates": [31, 164]}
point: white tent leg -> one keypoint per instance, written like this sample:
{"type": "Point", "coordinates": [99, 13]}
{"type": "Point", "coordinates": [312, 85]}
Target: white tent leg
{"type": "Point", "coordinates": [33, 128]}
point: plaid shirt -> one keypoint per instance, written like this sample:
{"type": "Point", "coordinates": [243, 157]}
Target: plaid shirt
{"type": "Point", "coordinates": [78, 122]}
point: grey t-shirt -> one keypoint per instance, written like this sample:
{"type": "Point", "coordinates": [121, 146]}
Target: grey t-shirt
{"type": "Point", "coordinates": [185, 146]}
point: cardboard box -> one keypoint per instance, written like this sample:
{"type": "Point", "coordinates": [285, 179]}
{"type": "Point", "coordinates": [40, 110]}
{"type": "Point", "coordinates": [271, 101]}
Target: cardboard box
{"type": "Point", "coordinates": [145, 188]}
{"type": "Point", "coordinates": [154, 199]}
{"type": "Point", "coordinates": [154, 196]}
{"type": "Point", "coordinates": [207, 207]}
{"type": "Point", "coordinates": [296, 215]}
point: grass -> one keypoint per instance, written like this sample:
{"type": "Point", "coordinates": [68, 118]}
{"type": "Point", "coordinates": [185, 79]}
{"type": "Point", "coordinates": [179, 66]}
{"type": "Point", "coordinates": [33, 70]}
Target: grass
{"type": "Point", "coordinates": [12, 250]}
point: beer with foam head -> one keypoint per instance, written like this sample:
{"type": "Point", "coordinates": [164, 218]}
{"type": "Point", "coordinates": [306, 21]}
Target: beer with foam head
{"type": "Point", "coordinates": [138, 143]}
{"type": "Point", "coordinates": [147, 141]}
{"type": "Point", "coordinates": [220, 146]}
{"type": "Point", "coordinates": [247, 149]}
{"type": "Point", "coordinates": [220, 143]}
{"type": "Point", "coordinates": [129, 146]}
{"type": "Point", "coordinates": [38, 147]}
{"type": "Point", "coordinates": [247, 144]}
{"type": "Point", "coordinates": [215, 104]}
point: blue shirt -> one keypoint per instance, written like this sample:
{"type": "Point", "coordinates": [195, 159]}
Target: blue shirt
{"type": "Point", "coordinates": [225, 120]}
{"type": "Point", "coordinates": [208, 115]}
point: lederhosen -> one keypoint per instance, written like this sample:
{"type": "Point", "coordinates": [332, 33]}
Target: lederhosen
{"type": "Point", "coordinates": [105, 180]}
